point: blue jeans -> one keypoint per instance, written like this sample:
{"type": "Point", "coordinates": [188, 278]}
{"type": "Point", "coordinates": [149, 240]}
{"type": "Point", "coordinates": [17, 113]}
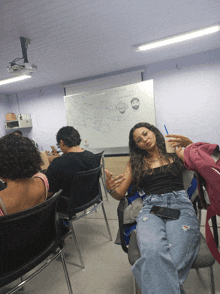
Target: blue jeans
{"type": "Point", "coordinates": [168, 247]}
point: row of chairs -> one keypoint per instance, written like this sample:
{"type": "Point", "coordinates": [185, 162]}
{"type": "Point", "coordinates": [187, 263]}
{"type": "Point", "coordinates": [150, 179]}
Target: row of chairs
{"type": "Point", "coordinates": [35, 235]}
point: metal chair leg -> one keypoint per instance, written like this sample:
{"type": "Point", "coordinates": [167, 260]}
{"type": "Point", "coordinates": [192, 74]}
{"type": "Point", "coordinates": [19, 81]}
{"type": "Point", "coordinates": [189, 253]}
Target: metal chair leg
{"type": "Point", "coordinates": [77, 245]}
{"type": "Point", "coordinates": [215, 229]}
{"type": "Point", "coordinates": [106, 195]}
{"type": "Point", "coordinates": [134, 285]}
{"type": "Point", "coordinates": [66, 273]}
{"type": "Point", "coordinates": [136, 289]}
{"type": "Point", "coordinates": [200, 216]}
{"type": "Point", "coordinates": [212, 284]}
{"type": "Point", "coordinates": [103, 184]}
{"type": "Point", "coordinates": [22, 288]}
{"type": "Point", "coordinates": [106, 221]}
{"type": "Point", "coordinates": [103, 176]}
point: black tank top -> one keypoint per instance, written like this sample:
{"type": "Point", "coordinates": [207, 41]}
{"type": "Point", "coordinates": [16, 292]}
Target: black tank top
{"type": "Point", "coordinates": [161, 182]}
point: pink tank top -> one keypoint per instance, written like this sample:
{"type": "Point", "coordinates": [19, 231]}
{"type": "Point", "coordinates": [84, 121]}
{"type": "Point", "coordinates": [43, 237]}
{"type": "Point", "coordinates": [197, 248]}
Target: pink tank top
{"type": "Point", "coordinates": [3, 211]}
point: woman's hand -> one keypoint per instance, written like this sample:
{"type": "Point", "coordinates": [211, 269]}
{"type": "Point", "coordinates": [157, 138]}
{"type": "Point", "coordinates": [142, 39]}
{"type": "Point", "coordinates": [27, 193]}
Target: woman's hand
{"type": "Point", "coordinates": [179, 140]}
{"type": "Point", "coordinates": [45, 160]}
{"type": "Point", "coordinates": [111, 182]}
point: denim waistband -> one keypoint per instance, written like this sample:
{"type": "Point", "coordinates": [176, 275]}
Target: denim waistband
{"type": "Point", "coordinates": [175, 194]}
{"type": "Point", "coordinates": [168, 193]}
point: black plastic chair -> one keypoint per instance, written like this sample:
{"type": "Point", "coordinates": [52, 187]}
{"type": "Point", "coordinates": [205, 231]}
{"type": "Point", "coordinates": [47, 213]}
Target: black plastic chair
{"type": "Point", "coordinates": [203, 259]}
{"type": "Point", "coordinates": [27, 239]}
{"type": "Point", "coordinates": [85, 192]}
{"type": "Point", "coordinates": [103, 174]}
{"type": "Point", "coordinates": [2, 185]}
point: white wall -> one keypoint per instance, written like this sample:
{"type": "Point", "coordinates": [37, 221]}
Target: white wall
{"type": "Point", "coordinates": [4, 108]}
{"type": "Point", "coordinates": [47, 110]}
{"type": "Point", "coordinates": [187, 96]}
{"type": "Point", "coordinates": [186, 91]}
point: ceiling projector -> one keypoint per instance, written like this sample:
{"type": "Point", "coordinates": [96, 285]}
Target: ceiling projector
{"type": "Point", "coordinates": [25, 68]}
{"type": "Point", "coordinates": [22, 69]}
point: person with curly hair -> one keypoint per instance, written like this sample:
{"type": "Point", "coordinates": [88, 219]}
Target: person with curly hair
{"type": "Point", "coordinates": [167, 247]}
{"type": "Point", "coordinates": [18, 132]}
{"type": "Point", "coordinates": [20, 163]}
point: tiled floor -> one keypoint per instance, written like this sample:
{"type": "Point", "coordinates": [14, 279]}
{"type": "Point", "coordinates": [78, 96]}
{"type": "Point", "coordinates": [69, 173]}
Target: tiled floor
{"type": "Point", "coordinates": [107, 270]}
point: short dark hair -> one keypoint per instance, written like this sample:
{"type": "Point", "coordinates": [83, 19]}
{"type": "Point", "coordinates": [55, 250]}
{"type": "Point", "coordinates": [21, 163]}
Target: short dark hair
{"type": "Point", "coordinates": [69, 135]}
{"type": "Point", "coordinates": [135, 98]}
{"type": "Point", "coordinates": [18, 132]}
{"type": "Point", "coordinates": [19, 158]}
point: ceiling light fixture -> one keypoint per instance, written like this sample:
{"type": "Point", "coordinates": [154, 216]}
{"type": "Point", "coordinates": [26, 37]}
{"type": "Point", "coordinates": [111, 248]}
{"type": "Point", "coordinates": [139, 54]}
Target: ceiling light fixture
{"type": "Point", "coordinates": [14, 79]}
{"type": "Point", "coordinates": [177, 38]}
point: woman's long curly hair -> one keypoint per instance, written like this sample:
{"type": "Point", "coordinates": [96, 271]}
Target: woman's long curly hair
{"type": "Point", "coordinates": [19, 158]}
{"type": "Point", "coordinates": [140, 159]}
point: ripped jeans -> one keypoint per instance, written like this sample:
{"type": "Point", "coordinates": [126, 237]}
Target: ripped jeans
{"type": "Point", "coordinates": [168, 247]}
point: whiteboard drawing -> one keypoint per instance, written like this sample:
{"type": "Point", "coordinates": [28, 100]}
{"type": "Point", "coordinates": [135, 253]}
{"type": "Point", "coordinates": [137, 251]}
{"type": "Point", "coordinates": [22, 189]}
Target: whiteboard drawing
{"type": "Point", "coordinates": [135, 103]}
{"type": "Point", "coordinates": [104, 118]}
{"type": "Point", "coordinates": [121, 106]}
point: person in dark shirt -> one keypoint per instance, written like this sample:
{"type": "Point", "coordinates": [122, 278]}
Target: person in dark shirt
{"type": "Point", "coordinates": [61, 171]}
{"type": "Point", "coordinates": [167, 247]}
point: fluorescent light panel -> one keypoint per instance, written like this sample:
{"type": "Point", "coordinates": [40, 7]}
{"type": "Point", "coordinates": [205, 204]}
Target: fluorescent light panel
{"type": "Point", "coordinates": [178, 38]}
{"type": "Point", "coordinates": [14, 79]}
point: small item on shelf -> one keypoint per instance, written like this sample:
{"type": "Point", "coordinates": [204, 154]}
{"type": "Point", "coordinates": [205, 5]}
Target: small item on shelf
{"type": "Point", "coordinates": [10, 116]}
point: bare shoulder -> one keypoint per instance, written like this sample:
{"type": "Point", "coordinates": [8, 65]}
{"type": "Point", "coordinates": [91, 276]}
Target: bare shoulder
{"type": "Point", "coordinates": [37, 188]}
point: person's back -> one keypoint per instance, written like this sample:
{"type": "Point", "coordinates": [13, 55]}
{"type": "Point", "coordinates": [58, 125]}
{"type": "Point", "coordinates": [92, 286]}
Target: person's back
{"type": "Point", "coordinates": [20, 162]}
{"type": "Point", "coordinates": [61, 171]}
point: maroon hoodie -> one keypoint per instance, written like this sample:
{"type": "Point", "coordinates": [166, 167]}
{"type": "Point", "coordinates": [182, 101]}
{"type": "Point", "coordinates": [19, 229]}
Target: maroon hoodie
{"type": "Point", "coordinates": [198, 158]}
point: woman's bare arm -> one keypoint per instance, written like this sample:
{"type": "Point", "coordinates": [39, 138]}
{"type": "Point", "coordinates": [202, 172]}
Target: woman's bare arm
{"type": "Point", "coordinates": [120, 184]}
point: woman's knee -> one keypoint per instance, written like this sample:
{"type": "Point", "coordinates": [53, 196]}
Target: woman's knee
{"type": "Point", "coordinates": [153, 249]}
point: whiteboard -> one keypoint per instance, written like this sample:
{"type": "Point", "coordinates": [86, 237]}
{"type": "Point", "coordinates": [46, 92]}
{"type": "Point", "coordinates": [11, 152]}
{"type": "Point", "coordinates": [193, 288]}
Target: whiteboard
{"type": "Point", "coordinates": [104, 118]}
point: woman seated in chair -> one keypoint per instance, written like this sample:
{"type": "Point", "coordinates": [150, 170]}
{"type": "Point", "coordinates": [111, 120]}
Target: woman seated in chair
{"type": "Point", "coordinates": [168, 247]}
{"type": "Point", "coordinates": [20, 163]}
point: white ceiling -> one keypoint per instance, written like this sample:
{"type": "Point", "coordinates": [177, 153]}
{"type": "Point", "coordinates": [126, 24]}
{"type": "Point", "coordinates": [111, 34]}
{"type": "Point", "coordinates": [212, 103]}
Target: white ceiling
{"type": "Point", "coordinates": [77, 39]}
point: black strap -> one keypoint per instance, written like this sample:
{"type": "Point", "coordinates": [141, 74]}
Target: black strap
{"type": "Point", "coordinates": [120, 210]}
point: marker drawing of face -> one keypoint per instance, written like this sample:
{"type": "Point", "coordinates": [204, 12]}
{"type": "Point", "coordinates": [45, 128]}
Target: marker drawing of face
{"type": "Point", "coordinates": [135, 103]}
{"type": "Point", "coordinates": [121, 106]}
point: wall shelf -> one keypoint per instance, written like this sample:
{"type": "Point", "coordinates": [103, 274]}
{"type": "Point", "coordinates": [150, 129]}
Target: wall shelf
{"type": "Point", "coordinates": [18, 124]}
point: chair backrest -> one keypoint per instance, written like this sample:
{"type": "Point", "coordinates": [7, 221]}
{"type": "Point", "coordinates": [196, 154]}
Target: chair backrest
{"type": "Point", "coordinates": [102, 163]}
{"type": "Point", "coordinates": [2, 185]}
{"type": "Point", "coordinates": [100, 155]}
{"type": "Point", "coordinates": [85, 187]}
{"type": "Point", "coordinates": [26, 234]}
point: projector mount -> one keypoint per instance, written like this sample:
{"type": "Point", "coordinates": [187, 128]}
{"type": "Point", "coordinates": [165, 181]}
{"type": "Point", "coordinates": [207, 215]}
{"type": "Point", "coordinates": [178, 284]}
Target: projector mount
{"type": "Point", "coordinates": [25, 68]}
